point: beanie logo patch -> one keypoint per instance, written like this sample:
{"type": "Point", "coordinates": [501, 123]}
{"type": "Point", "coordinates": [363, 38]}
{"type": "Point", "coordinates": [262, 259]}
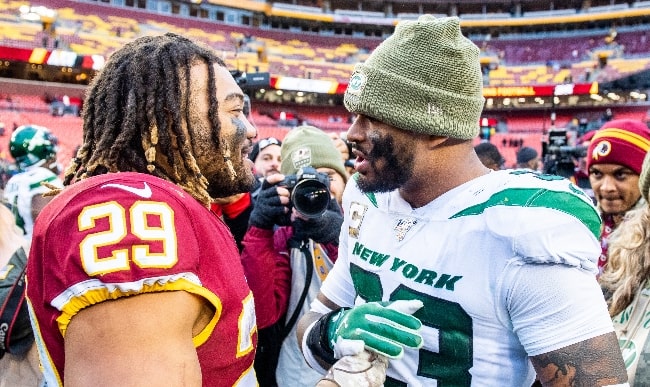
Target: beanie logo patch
{"type": "Point", "coordinates": [602, 149]}
{"type": "Point", "coordinates": [301, 157]}
{"type": "Point", "coordinates": [357, 83]}
{"type": "Point", "coordinates": [433, 110]}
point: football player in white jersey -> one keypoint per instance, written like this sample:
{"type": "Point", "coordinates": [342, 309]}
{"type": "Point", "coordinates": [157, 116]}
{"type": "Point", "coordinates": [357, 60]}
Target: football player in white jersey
{"type": "Point", "coordinates": [34, 149]}
{"type": "Point", "coordinates": [498, 267]}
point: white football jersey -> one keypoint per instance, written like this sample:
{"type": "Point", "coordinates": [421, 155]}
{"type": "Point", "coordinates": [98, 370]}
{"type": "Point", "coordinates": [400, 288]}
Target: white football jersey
{"type": "Point", "coordinates": [504, 264]}
{"type": "Point", "coordinates": [20, 190]}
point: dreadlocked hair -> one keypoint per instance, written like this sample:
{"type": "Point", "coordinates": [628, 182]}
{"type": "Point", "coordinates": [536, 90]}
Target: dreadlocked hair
{"type": "Point", "coordinates": [136, 106]}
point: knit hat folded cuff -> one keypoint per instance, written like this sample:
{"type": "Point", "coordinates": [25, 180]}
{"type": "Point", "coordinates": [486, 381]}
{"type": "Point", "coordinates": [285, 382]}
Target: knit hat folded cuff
{"type": "Point", "coordinates": [309, 146]}
{"type": "Point", "coordinates": [622, 142]}
{"type": "Point", "coordinates": [422, 109]}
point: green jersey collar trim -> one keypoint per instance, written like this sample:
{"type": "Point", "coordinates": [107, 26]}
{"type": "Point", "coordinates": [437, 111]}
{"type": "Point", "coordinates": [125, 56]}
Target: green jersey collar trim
{"type": "Point", "coordinates": [370, 195]}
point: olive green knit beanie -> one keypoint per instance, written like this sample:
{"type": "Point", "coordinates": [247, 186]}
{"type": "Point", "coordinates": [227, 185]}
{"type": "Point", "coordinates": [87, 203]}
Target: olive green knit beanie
{"type": "Point", "coordinates": [306, 146]}
{"type": "Point", "coordinates": [425, 78]}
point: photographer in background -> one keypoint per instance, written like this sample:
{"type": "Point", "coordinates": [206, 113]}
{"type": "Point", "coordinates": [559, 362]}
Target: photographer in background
{"type": "Point", "coordinates": [286, 254]}
{"type": "Point", "coordinates": [614, 161]}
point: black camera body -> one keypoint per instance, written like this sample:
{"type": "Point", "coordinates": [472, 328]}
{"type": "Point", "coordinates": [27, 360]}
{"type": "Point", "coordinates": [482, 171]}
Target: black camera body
{"type": "Point", "coordinates": [309, 191]}
{"type": "Point", "coordinates": [558, 156]}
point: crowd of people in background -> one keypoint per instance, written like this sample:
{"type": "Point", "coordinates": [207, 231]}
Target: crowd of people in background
{"type": "Point", "coordinates": [299, 239]}
{"type": "Point", "coordinates": [271, 260]}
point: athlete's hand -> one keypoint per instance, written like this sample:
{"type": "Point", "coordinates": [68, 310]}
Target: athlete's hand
{"type": "Point", "coordinates": [271, 206]}
{"type": "Point", "coordinates": [365, 369]}
{"type": "Point", "coordinates": [383, 327]}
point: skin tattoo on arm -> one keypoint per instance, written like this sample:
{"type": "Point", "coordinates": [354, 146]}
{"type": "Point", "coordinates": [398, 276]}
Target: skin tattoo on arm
{"type": "Point", "coordinates": [593, 362]}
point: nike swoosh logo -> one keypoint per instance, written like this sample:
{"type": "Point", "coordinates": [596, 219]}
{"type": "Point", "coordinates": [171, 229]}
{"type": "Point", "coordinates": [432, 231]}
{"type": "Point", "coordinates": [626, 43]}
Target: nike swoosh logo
{"type": "Point", "coordinates": [144, 192]}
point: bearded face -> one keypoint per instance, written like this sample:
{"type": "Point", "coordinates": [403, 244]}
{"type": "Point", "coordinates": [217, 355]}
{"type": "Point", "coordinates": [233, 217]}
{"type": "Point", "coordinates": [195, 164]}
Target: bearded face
{"type": "Point", "coordinates": [223, 161]}
{"type": "Point", "coordinates": [389, 164]}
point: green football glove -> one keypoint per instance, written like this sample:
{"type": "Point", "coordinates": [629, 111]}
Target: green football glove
{"type": "Point", "coordinates": [384, 327]}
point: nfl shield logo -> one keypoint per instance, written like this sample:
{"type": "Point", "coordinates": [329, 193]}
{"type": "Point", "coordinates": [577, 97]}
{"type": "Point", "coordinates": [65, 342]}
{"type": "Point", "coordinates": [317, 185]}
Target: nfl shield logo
{"type": "Point", "coordinates": [403, 226]}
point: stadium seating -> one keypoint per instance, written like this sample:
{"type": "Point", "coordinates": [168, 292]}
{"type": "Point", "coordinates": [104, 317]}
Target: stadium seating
{"type": "Point", "coordinates": [94, 27]}
{"type": "Point", "coordinates": [288, 53]}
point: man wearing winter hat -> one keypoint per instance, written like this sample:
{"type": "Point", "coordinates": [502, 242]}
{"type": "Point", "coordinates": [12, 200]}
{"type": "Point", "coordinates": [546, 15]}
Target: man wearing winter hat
{"type": "Point", "coordinates": [302, 248]}
{"type": "Point", "coordinates": [266, 156]}
{"type": "Point", "coordinates": [452, 271]}
{"type": "Point", "coordinates": [527, 158]}
{"type": "Point", "coordinates": [614, 160]}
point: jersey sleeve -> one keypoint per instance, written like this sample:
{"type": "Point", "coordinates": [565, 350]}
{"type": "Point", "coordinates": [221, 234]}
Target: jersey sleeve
{"type": "Point", "coordinates": [540, 298]}
{"type": "Point", "coordinates": [565, 241]}
{"type": "Point", "coordinates": [554, 224]}
{"type": "Point", "coordinates": [22, 188]}
{"type": "Point", "coordinates": [43, 175]}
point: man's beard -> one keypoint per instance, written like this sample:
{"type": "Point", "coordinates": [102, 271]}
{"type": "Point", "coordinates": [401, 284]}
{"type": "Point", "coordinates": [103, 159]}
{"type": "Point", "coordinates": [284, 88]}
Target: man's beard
{"type": "Point", "coordinates": [222, 184]}
{"type": "Point", "coordinates": [392, 167]}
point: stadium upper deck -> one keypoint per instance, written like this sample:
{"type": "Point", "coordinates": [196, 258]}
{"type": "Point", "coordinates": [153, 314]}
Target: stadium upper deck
{"type": "Point", "coordinates": [313, 45]}
{"type": "Point", "coordinates": [580, 43]}
{"type": "Point", "coordinates": [251, 33]}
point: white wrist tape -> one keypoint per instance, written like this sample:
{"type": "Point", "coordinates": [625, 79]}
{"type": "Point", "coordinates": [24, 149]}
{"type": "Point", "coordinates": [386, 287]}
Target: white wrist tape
{"type": "Point", "coordinates": [319, 307]}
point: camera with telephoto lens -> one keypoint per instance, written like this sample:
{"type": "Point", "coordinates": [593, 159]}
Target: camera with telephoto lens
{"type": "Point", "coordinates": [308, 191]}
{"type": "Point", "coordinates": [559, 156]}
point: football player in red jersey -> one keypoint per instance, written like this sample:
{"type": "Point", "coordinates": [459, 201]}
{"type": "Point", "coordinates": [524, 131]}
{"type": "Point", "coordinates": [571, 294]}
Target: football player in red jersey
{"type": "Point", "coordinates": [131, 279]}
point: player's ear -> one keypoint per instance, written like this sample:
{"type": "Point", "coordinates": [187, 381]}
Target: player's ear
{"type": "Point", "coordinates": [433, 141]}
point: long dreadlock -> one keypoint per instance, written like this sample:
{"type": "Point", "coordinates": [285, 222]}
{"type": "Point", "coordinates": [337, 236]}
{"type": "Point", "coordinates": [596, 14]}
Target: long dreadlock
{"type": "Point", "coordinates": [137, 104]}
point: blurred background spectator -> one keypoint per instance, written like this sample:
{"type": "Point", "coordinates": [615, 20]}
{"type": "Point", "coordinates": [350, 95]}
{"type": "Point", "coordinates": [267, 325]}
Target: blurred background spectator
{"type": "Point", "coordinates": [528, 158]}
{"type": "Point", "coordinates": [490, 156]}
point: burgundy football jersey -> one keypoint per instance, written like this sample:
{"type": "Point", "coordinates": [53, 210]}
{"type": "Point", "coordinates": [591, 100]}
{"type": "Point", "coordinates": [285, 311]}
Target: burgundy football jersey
{"type": "Point", "coordinates": [122, 234]}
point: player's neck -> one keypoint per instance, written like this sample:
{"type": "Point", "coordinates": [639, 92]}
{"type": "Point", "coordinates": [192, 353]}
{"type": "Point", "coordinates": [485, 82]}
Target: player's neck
{"type": "Point", "coordinates": [435, 182]}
